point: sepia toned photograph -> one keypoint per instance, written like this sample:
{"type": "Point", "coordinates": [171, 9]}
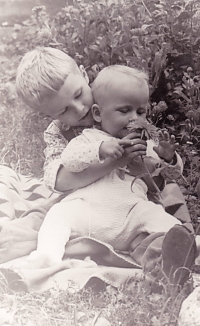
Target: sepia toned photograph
{"type": "Point", "coordinates": [99, 163]}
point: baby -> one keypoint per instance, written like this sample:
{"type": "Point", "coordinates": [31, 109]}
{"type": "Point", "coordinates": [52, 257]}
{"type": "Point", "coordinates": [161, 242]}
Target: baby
{"type": "Point", "coordinates": [114, 209]}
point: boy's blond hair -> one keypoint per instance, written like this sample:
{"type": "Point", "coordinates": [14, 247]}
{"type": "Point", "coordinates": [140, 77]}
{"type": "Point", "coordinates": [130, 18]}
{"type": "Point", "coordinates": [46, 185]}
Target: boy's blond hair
{"type": "Point", "coordinates": [104, 79]}
{"type": "Point", "coordinates": [41, 74]}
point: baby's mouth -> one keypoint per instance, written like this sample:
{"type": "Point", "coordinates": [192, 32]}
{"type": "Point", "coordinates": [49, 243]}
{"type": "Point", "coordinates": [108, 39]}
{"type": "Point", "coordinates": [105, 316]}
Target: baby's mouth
{"type": "Point", "coordinates": [124, 132]}
{"type": "Point", "coordinates": [126, 129]}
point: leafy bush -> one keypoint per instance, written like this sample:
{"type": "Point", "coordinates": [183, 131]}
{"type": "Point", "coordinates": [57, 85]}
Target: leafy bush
{"type": "Point", "coordinates": [161, 37]}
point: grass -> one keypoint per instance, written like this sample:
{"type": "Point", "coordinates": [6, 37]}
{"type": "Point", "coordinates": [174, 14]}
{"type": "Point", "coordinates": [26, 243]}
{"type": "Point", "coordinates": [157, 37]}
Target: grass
{"type": "Point", "coordinates": [21, 148]}
{"type": "Point", "coordinates": [21, 134]}
{"type": "Point", "coordinates": [131, 306]}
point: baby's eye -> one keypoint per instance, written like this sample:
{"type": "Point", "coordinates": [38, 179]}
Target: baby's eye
{"type": "Point", "coordinates": [141, 111]}
{"type": "Point", "coordinates": [125, 109]}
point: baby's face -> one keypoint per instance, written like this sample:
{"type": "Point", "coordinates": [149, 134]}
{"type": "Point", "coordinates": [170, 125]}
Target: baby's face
{"type": "Point", "coordinates": [72, 104]}
{"type": "Point", "coordinates": [125, 102]}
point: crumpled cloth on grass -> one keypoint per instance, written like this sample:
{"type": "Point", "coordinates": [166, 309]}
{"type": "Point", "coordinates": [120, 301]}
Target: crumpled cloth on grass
{"type": "Point", "coordinates": [24, 202]}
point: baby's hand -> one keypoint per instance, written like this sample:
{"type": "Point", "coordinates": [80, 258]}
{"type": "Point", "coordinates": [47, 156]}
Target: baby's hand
{"type": "Point", "coordinates": [166, 147]}
{"type": "Point", "coordinates": [134, 147]}
{"type": "Point", "coordinates": [111, 149]}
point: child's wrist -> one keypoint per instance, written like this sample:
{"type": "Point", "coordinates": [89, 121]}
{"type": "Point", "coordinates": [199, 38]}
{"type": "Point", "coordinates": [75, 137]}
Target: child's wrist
{"type": "Point", "coordinates": [173, 161]}
{"type": "Point", "coordinates": [102, 153]}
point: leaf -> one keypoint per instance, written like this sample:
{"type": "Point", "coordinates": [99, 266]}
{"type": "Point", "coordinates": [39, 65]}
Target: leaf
{"type": "Point", "coordinates": [94, 48]}
{"type": "Point", "coordinates": [103, 43]}
{"type": "Point", "coordinates": [106, 58]}
{"type": "Point", "coordinates": [156, 172]}
{"type": "Point", "coordinates": [146, 26]}
{"type": "Point", "coordinates": [181, 94]}
{"type": "Point", "coordinates": [198, 189]}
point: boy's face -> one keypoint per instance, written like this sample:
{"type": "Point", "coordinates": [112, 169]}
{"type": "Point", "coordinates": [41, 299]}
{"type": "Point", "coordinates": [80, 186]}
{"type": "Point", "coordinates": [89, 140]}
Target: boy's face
{"type": "Point", "coordinates": [125, 102]}
{"type": "Point", "coordinates": [72, 104]}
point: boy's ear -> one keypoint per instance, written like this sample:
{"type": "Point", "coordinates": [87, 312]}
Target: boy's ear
{"type": "Point", "coordinates": [96, 113]}
{"type": "Point", "coordinates": [84, 73]}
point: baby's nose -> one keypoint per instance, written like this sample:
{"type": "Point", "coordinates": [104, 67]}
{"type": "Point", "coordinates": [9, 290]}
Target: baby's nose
{"type": "Point", "coordinates": [133, 116]}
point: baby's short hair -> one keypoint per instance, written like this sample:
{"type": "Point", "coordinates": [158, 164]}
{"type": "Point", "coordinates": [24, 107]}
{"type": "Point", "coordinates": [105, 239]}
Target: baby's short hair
{"type": "Point", "coordinates": [104, 79]}
{"type": "Point", "coordinates": [41, 73]}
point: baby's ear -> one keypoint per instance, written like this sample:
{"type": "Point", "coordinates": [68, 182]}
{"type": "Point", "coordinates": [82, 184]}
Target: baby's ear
{"type": "Point", "coordinates": [96, 113]}
{"type": "Point", "coordinates": [84, 73]}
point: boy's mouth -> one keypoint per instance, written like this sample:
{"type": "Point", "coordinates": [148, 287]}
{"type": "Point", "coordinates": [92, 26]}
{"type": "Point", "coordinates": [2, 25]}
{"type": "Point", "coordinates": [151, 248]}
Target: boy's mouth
{"type": "Point", "coordinates": [85, 116]}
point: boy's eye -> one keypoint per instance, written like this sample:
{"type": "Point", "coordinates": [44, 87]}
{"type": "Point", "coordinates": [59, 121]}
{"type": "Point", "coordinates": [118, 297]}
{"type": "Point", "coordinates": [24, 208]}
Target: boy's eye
{"type": "Point", "coordinates": [65, 110]}
{"type": "Point", "coordinates": [77, 94]}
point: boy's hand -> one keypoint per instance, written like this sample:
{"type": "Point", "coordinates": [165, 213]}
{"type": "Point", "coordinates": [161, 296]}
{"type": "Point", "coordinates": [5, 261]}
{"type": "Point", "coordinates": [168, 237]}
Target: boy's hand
{"type": "Point", "coordinates": [110, 148]}
{"type": "Point", "coordinates": [166, 147]}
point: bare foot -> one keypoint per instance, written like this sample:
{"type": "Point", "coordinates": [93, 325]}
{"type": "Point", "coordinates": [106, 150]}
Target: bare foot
{"type": "Point", "coordinates": [37, 260]}
{"type": "Point", "coordinates": [78, 263]}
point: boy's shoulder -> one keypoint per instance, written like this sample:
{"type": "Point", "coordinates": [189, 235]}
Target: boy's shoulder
{"type": "Point", "coordinates": [54, 128]}
{"type": "Point", "coordinates": [57, 126]}
{"type": "Point", "coordinates": [60, 130]}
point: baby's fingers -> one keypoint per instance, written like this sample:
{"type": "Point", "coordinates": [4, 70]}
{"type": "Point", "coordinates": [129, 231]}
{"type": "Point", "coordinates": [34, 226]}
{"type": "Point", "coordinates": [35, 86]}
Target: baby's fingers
{"type": "Point", "coordinates": [116, 154]}
{"type": "Point", "coordinates": [176, 145]}
{"type": "Point", "coordinates": [125, 142]}
{"type": "Point", "coordinates": [136, 154]}
{"type": "Point", "coordinates": [131, 142]}
{"type": "Point", "coordinates": [163, 135]}
{"type": "Point", "coordinates": [172, 139]}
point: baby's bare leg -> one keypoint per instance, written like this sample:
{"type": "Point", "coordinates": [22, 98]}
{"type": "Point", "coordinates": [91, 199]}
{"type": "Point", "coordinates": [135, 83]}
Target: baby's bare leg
{"type": "Point", "coordinates": [52, 238]}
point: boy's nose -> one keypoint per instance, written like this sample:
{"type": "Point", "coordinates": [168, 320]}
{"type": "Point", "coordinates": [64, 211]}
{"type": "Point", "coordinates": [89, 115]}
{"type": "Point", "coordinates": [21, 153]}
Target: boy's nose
{"type": "Point", "coordinates": [79, 107]}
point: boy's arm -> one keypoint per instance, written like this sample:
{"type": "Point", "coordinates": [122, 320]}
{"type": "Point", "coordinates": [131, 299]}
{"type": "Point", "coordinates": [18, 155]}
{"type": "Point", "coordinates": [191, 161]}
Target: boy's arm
{"type": "Point", "coordinates": [55, 144]}
{"type": "Point", "coordinates": [66, 180]}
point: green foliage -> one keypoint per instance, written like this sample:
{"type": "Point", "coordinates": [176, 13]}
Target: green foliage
{"type": "Point", "coordinates": [162, 37]}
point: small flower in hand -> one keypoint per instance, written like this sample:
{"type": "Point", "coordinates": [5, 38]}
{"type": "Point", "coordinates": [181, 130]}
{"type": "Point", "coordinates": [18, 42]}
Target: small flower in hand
{"type": "Point", "coordinates": [147, 130]}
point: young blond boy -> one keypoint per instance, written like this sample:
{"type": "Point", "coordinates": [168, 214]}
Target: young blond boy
{"type": "Point", "coordinates": [110, 209]}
